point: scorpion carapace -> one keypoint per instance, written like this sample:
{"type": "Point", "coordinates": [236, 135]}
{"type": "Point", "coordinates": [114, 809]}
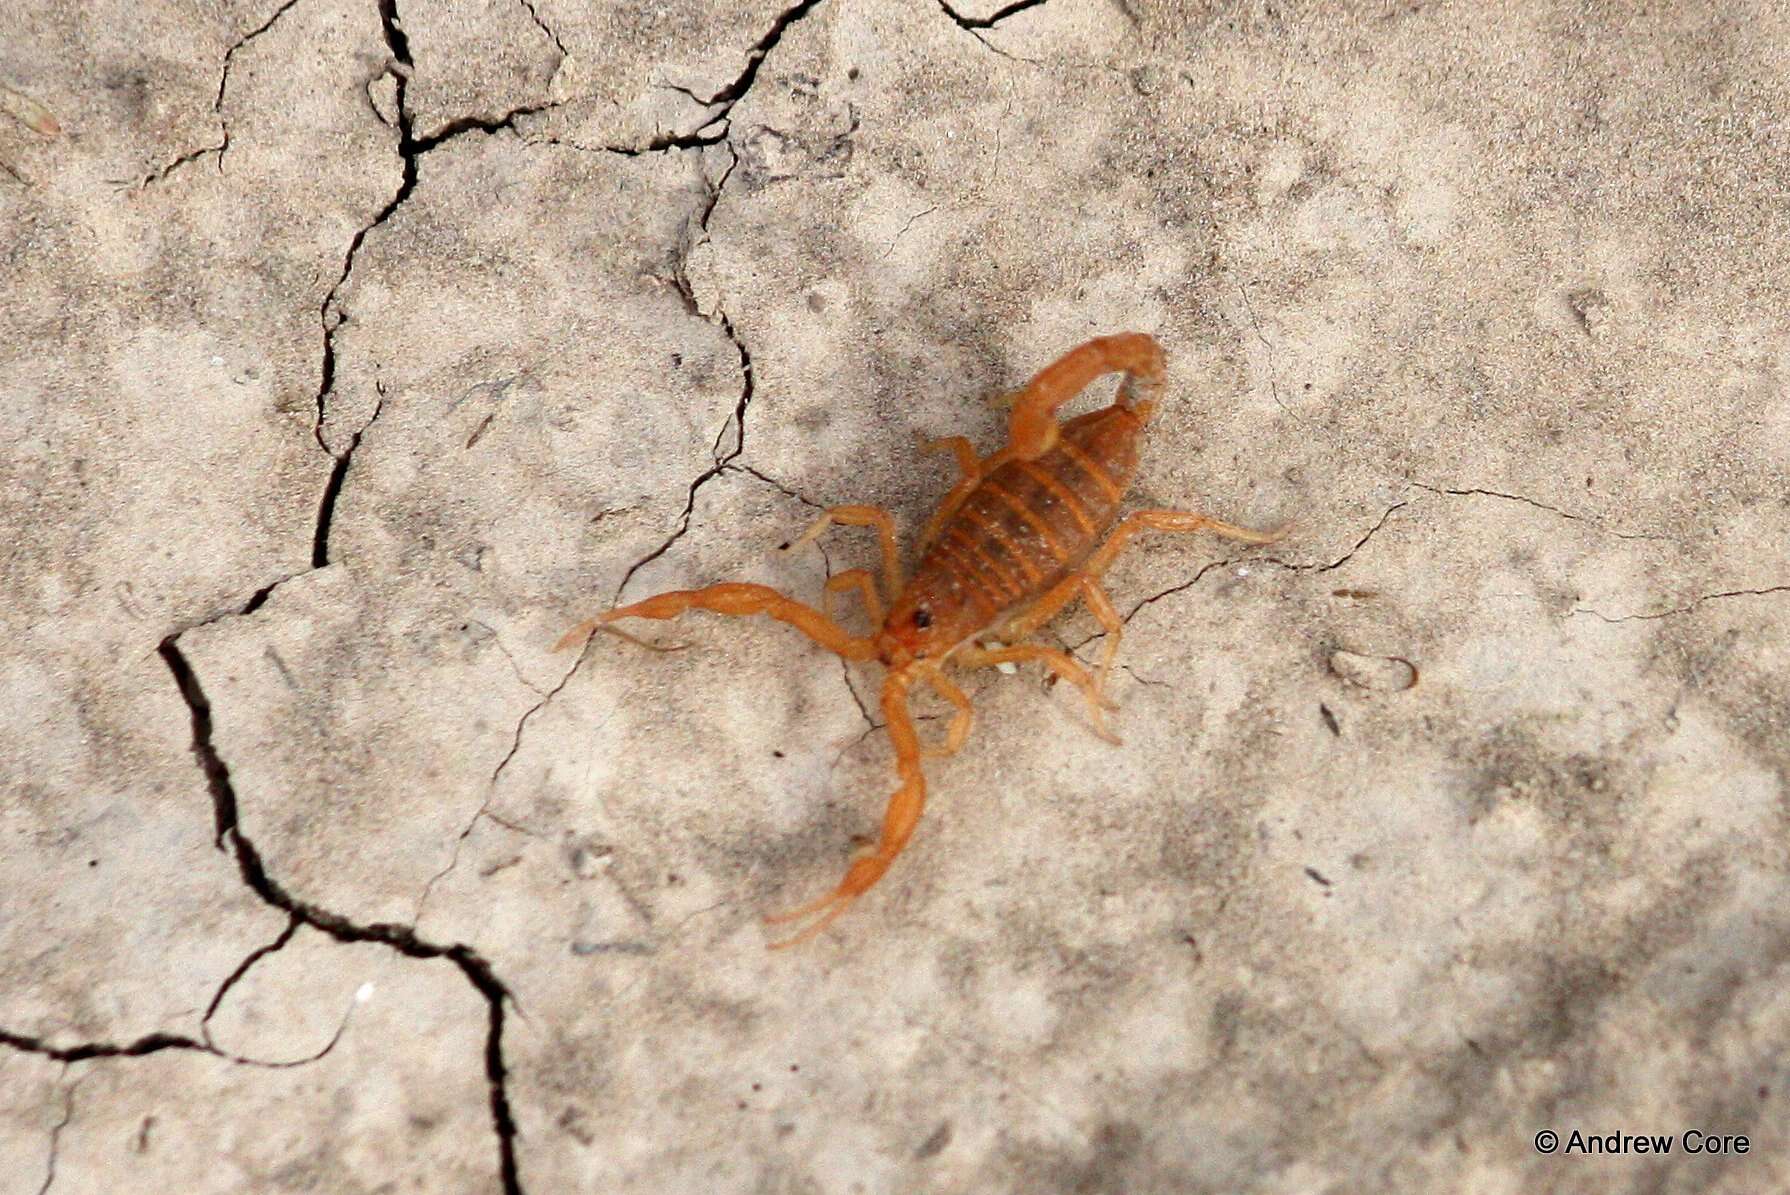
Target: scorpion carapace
{"type": "Point", "coordinates": [1015, 541]}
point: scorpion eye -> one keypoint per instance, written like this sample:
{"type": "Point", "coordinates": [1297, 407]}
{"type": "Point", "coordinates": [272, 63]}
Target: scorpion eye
{"type": "Point", "coordinates": [922, 618]}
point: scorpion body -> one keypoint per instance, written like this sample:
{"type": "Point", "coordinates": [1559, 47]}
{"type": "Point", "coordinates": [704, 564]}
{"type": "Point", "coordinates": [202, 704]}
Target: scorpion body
{"type": "Point", "coordinates": [1015, 541]}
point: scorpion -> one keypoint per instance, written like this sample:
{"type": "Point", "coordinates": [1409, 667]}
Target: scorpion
{"type": "Point", "coordinates": [1017, 539]}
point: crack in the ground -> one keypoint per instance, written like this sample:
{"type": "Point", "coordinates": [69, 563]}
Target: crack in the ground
{"type": "Point", "coordinates": [217, 104]}
{"type": "Point", "coordinates": [1171, 591]}
{"type": "Point", "coordinates": [1361, 543]}
{"type": "Point", "coordinates": [255, 602]}
{"type": "Point", "coordinates": [1686, 608]}
{"type": "Point", "coordinates": [1290, 565]}
{"type": "Point", "coordinates": [664, 143]}
{"type": "Point", "coordinates": [992, 19]}
{"type": "Point", "coordinates": [411, 149]}
{"type": "Point", "coordinates": [515, 668]}
{"type": "Point", "coordinates": [1255, 325]}
{"type": "Point", "coordinates": [977, 26]}
{"type": "Point", "coordinates": [844, 664]}
{"type": "Point", "coordinates": [68, 1114]}
{"type": "Point", "coordinates": [403, 939]}
{"type": "Point", "coordinates": [902, 231]}
{"type": "Point", "coordinates": [1539, 505]}
{"type": "Point", "coordinates": [720, 104]}
{"type": "Point", "coordinates": [680, 281]}
{"type": "Point", "coordinates": [780, 487]}
{"type": "Point", "coordinates": [149, 1043]}
{"type": "Point", "coordinates": [544, 28]}
{"type": "Point", "coordinates": [735, 91]}
{"type": "Point", "coordinates": [242, 969]}
{"type": "Point", "coordinates": [484, 808]}
{"type": "Point", "coordinates": [228, 832]}
{"type": "Point", "coordinates": [1140, 678]}
{"type": "Point", "coordinates": [332, 490]}
{"type": "Point", "coordinates": [331, 313]}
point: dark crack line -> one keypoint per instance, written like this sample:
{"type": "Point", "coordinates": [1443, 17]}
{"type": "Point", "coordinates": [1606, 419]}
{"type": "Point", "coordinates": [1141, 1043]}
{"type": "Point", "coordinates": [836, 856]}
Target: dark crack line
{"type": "Point", "coordinates": [780, 487]}
{"type": "Point", "coordinates": [259, 598]}
{"type": "Point", "coordinates": [1255, 325]}
{"type": "Point", "coordinates": [403, 939]}
{"type": "Point", "coordinates": [721, 103]}
{"type": "Point", "coordinates": [331, 313]}
{"type": "Point", "coordinates": [230, 54]}
{"type": "Point", "coordinates": [217, 103]}
{"type": "Point", "coordinates": [844, 664]}
{"type": "Point", "coordinates": [462, 125]}
{"type": "Point", "coordinates": [737, 420]}
{"type": "Point", "coordinates": [150, 1043]}
{"type": "Point", "coordinates": [68, 1114]}
{"type": "Point", "coordinates": [993, 19]}
{"type": "Point", "coordinates": [1686, 608]}
{"type": "Point", "coordinates": [491, 785]}
{"type": "Point", "coordinates": [332, 491]}
{"type": "Point", "coordinates": [910, 223]}
{"type": "Point", "coordinates": [664, 143]}
{"type": "Point", "coordinates": [217, 777]}
{"type": "Point", "coordinates": [1289, 565]}
{"type": "Point", "coordinates": [1553, 510]}
{"type": "Point", "coordinates": [242, 969]}
{"type": "Point", "coordinates": [827, 560]}
{"type": "Point", "coordinates": [731, 94]}
{"type": "Point", "coordinates": [515, 668]}
{"type": "Point", "coordinates": [185, 159]}
{"type": "Point", "coordinates": [256, 601]}
{"type": "Point", "coordinates": [977, 27]}
{"type": "Point", "coordinates": [543, 27]}
{"type": "Point", "coordinates": [1171, 591]}
{"type": "Point", "coordinates": [1346, 556]}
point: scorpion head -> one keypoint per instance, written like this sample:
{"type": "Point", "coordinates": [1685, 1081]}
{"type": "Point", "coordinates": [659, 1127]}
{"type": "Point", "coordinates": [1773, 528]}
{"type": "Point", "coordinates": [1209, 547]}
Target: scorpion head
{"type": "Point", "coordinates": [922, 625]}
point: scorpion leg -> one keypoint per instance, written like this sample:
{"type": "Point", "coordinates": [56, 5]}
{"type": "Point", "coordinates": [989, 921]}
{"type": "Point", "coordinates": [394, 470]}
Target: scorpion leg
{"type": "Point", "coordinates": [861, 580]}
{"type": "Point", "coordinates": [862, 516]}
{"type": "Point", "coordinates": [968, 463]}
{"type": "Point", "coordinates": [1083, 584]}
{"type": "Point", "coordinates": [1170, 520]}
{"type": "Point", "coordinates": [1101, 607]}
{"type": "Point", "coordinates": [899, 820]}
{"type": "Point", "coordinates": [1028, 620]}
{"type": "Point", "coordinates": [972, 472]}
{"type": "Point", "coordinates": [735, 598]}
{"type": "Point", "coordinates": [961, 721]}
{"type": "Point", "coordinates": [1061, 664]}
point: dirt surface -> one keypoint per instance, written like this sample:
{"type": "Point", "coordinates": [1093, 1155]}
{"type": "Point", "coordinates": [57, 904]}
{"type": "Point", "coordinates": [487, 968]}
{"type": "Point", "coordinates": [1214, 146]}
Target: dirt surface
{"type": "Point", "coordinates": [353, 351]}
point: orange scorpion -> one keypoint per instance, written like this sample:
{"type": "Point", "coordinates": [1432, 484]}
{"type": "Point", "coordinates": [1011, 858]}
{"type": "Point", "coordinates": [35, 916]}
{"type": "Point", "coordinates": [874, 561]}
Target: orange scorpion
{"type": "Point", "coordinates": [1014, 542]}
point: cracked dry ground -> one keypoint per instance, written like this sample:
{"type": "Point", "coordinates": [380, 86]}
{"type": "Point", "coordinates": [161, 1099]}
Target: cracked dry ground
{"type": "Point", "coordinates": [354, 350]}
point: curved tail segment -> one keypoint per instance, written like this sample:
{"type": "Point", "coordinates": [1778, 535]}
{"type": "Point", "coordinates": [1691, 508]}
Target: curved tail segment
{"type": "Point", "coordinates": [1032, 429]}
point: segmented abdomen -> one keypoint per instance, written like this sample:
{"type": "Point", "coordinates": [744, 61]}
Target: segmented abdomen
{"type": "Point", "coordinates": [1029, 523]}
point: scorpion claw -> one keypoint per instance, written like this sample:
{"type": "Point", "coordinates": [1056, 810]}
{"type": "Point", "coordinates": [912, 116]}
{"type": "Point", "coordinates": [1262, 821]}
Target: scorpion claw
{"type": "Point", "coordinates": [864, 872]}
